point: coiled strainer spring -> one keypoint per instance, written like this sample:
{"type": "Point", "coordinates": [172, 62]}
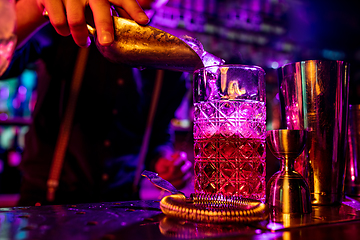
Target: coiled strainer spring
{"type": "Point", "coordinates": [207, 207]}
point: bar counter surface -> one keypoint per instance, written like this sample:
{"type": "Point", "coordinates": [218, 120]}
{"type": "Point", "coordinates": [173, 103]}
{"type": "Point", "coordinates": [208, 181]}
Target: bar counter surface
{"type": "Point", "coordinates": [144, 220]}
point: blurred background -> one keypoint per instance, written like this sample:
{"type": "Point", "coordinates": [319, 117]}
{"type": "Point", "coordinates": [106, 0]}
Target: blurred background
{"type": "Point", "coordinates": [267, 33]}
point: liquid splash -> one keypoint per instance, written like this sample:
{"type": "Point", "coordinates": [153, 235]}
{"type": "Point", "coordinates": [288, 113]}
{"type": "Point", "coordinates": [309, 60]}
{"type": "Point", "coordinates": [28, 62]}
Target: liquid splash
{"type": "Point", "coordinates": [207, 58]}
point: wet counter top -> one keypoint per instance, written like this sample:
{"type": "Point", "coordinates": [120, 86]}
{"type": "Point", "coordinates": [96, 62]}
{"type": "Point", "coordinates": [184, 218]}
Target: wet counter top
{"type": "Point", "coordinates": [144, 220]}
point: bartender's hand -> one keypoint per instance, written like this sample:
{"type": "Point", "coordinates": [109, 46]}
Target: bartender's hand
{"type": "Point", "coordinates": [175, 168]}
{"type": "Point", "coordinates": [68, 17]}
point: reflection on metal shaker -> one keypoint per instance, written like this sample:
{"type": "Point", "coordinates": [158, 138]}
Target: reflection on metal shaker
{"type": "Point", "coordinates": [352, 179]}
{"type": "Point", "coordinates": [314, 96]}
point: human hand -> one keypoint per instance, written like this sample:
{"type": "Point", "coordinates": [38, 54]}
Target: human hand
{"type": "Point", "coordinates": [175, 168]}
{"type": "Point", "coordinates": [68, 17]}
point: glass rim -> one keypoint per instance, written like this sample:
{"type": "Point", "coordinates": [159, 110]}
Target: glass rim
{"type": "Point", "coordinates": [244, 66]}
{"type": "Point", "coordinates": [313, 60]}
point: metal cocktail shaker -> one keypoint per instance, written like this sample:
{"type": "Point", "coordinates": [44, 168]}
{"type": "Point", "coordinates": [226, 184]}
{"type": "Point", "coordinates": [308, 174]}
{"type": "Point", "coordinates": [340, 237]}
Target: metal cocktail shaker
{"type": "Point", "coordinates": [147, 47]}
{"type": "Point", "coordinates": [314, 96]}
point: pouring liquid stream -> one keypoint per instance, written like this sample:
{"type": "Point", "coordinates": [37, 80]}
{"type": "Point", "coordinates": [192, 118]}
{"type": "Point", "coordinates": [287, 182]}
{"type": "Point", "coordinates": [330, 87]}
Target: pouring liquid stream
{"type": "Point", "coordinates": [207, 58]}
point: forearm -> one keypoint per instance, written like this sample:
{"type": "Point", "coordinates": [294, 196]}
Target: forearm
{"type": "Point", "coordinates": [29, 20]}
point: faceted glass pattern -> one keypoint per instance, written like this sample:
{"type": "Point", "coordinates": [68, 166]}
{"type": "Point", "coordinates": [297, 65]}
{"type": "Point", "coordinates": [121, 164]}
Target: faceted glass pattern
{"type": "Point", "coordinates": [229, 148]}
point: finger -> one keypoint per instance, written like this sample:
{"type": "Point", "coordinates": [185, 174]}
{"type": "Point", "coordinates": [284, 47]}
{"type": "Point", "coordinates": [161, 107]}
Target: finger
{"type": "Point", "coordinates": [122, 13]}
{"type": "Point", "coordinates": [179, 154]}
{"type": "Point", "coordinates": [103, 21]}
{"type": "Point", "coordinates": [186, 167]}
{"type": "Point", "coordinates": [75, 11]}
{"type": "Point", "coordinates": [178, 162]}
{"type": "Point", "coordinates": [133, 9]}
{"type": "Point", "coordinates": [179, 158]}
{"type": "Point", "coordinates": [57, 16]}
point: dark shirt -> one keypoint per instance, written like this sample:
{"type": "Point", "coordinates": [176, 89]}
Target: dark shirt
{"type": "Point", "coordinates": [108, 125]}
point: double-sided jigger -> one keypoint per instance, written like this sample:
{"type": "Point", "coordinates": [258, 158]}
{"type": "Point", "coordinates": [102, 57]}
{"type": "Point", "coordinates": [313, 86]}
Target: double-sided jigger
{"type": "Point", "coordinates": [287, 190]}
